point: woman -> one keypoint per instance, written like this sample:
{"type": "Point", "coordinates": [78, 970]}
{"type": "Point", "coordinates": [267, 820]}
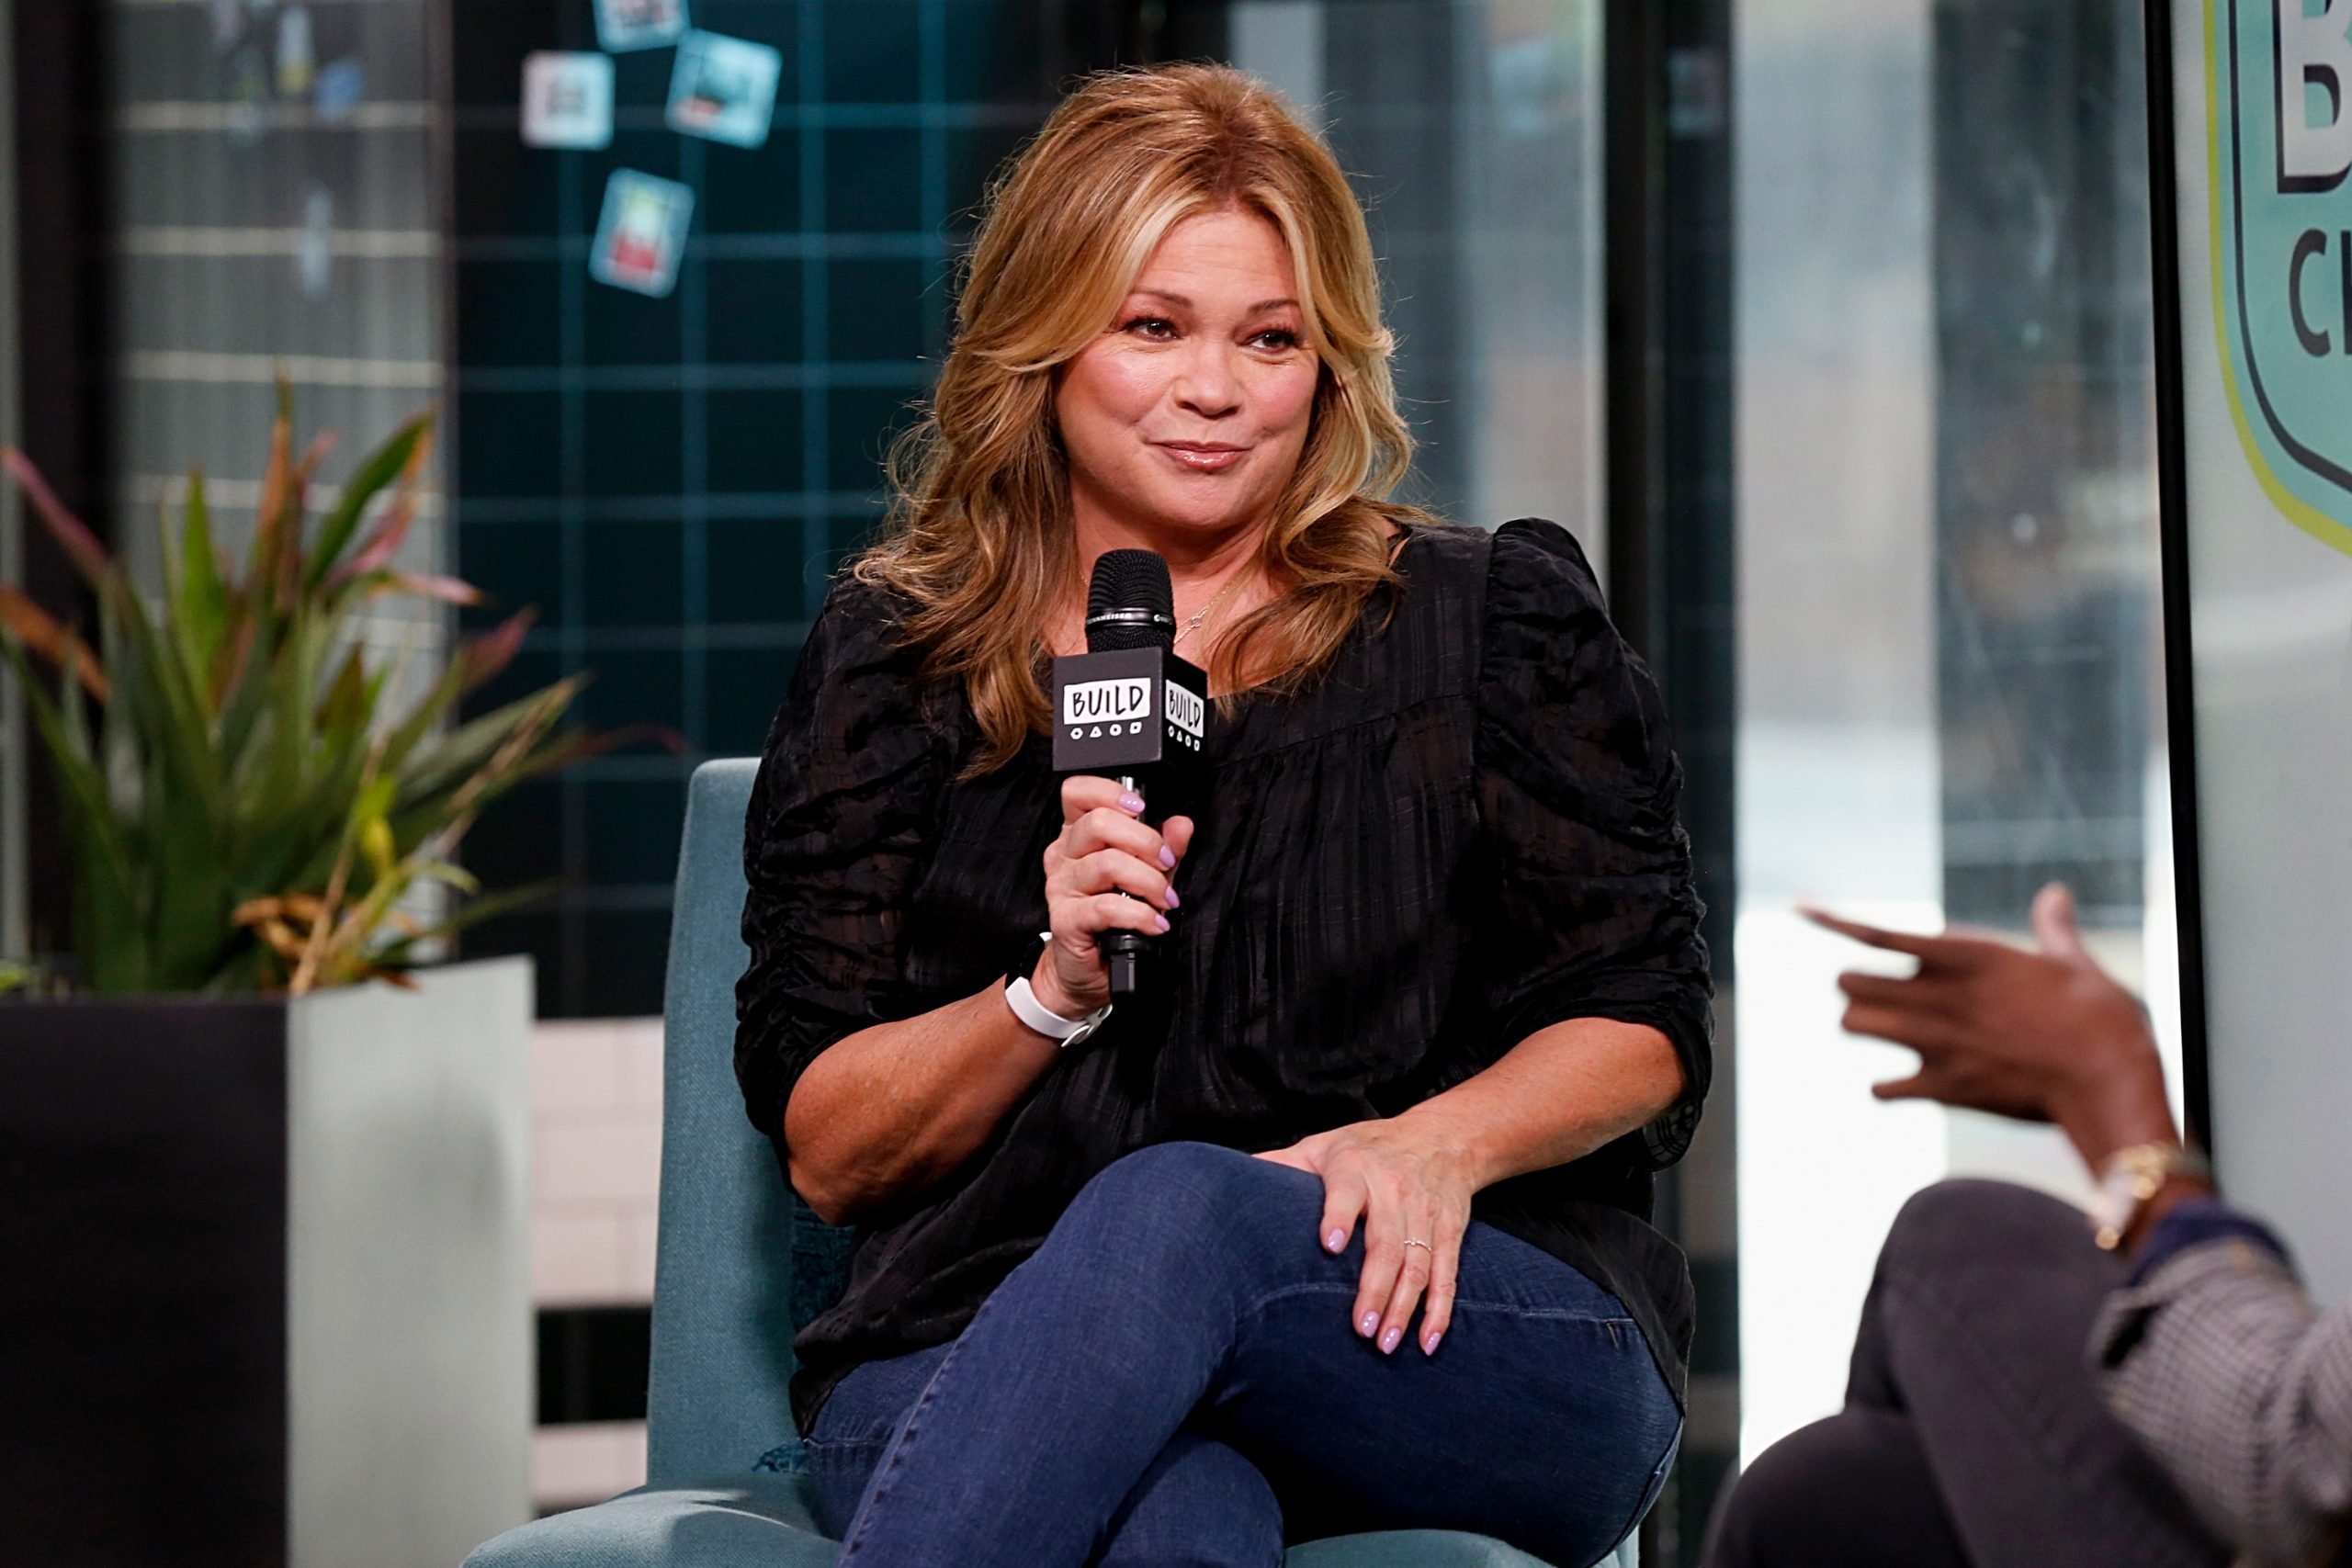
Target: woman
{"type": "Point", "coordinates": [1429, 956]}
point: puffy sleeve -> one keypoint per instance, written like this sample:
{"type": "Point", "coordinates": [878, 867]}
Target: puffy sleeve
{"type": "Point", "coordinates": [839, 829]}
{"type": "Point", "coordinates": [1595, 915]}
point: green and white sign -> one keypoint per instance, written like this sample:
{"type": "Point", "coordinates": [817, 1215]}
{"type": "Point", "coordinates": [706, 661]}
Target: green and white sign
{"type": "Point", "coordinates": [2261, 98]}
{"type": "Point", "coordinates": [2278, 147]}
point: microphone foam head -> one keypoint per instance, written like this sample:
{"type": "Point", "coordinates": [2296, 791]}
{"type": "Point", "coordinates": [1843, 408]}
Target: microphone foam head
{"type": "Point", "coordinates": [1130, 603]}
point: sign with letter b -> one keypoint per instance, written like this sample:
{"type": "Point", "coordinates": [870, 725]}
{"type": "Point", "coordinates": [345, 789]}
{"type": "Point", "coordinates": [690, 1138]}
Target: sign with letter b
{"type": "Point", "coordinates": [2279, 81]}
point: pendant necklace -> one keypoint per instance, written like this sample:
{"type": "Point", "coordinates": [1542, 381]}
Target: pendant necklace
{"type": "Point", "coordinates": [1207, 610]}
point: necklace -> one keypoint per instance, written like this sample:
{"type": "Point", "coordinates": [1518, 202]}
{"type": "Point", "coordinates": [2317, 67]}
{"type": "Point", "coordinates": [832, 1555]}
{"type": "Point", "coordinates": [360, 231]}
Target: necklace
{"type": "Point", "coordinates": [1207, 610]}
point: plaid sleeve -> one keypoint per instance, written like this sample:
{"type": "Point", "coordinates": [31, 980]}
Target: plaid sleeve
{"type": "Point", "coordinates": [2220, 1365]}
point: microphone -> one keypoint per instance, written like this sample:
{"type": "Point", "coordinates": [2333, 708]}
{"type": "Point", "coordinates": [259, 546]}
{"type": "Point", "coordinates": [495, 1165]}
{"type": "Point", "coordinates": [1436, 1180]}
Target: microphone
{"type": "Point", "coordinates": [1130, 708]}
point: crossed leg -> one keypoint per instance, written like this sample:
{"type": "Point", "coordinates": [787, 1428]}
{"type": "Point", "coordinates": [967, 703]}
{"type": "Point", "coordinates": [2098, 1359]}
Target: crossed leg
{"type": "Point", "coordinates": [1969, 1398]}
{"type": "Point", "coordinates": [1183, 1301]}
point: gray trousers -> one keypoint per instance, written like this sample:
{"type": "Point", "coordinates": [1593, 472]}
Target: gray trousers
{"type": "Point", "coordinates": [1973, 1436]}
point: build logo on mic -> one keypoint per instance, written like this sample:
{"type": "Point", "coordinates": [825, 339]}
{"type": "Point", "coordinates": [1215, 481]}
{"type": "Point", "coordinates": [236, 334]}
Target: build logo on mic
{"type": "Point", "coordinates": [1124, 705]}
{"type": "Point", "coordinates": [1129, 709]}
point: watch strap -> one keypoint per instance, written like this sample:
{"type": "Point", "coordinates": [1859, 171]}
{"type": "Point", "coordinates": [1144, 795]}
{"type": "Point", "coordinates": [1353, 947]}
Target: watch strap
{"type": "Point", "coordinates": [1022, 997]}
{"type": "Point", "coordinates": [2132, 1177]}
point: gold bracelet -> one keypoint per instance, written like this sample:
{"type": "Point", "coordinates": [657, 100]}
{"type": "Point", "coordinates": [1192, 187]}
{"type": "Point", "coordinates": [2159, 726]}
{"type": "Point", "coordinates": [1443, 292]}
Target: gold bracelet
{"type": "Point", "coordinates": [2132, 1176]}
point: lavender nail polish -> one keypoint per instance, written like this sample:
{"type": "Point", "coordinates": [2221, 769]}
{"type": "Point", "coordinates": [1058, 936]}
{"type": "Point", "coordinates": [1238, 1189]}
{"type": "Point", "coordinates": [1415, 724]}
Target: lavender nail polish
{"type": "Point", "coordinates": [1132, 804]}
{"type": "Point", "coordinates": [1336, 1240]}
{"type": "Point", "coordinates": [1428, 1342]}
{"type": "Point", "coordinates": [1371, 1321]}
{"type": "Point", "coordinates": [1167, 858]}
{"type": "Point", "coordinates": [1160, 924]}
{"type": "Point", "coordinates": [1388, 1341]}
{"type": "Point", "coordinates": [1173, 899]}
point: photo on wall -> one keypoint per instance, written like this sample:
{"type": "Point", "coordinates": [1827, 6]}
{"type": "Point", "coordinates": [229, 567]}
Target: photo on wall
{"type": "Point", "coordinates": [623, 25]}
{"type": "Point", "coordinates": [724, 88]}
{"type": "Point", "coordinates": [568, 100]}
{"type": "Point", "coordinates": [642, 234]}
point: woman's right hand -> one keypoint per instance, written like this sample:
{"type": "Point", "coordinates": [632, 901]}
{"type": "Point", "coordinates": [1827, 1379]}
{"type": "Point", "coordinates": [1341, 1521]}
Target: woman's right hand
{"type": "Point", "coordinates": [1104, 851]}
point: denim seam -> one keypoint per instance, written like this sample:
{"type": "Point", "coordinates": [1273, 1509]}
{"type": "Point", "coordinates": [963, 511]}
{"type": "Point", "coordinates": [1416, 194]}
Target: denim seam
{"type": "Point", "coordinates": [840, 1445]}
{"type": "Point", "coordinates": [1634, 1519]}
{"type": "Point", "coordinates": [905, 1435]}
{"type": "Point", "coordinates": [1546, 1315]}
{"type": "Point", "coordinates": [1257, 1304]}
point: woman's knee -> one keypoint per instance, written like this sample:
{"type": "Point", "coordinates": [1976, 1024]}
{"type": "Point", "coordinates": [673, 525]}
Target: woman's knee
{"type": "Point", "coordinates": [1177, 1180]}
{"type": "Point", "coordinates": [1195, 1203]}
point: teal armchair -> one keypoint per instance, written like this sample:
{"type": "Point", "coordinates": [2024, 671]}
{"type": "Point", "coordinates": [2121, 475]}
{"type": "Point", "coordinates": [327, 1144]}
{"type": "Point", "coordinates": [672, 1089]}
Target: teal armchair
{"type": "Point", "coordinates": [739, 1261]}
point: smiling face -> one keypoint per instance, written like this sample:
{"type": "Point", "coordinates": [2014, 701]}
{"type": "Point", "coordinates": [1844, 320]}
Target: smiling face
{"type": "Point", "coordinates": [1185, 420]}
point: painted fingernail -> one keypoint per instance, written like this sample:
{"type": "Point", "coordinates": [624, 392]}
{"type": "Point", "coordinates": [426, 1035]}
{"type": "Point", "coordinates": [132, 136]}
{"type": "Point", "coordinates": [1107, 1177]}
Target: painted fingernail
{"type": "Point", "coordinates": [1160, 924]}
{"type": "Point", "coordinates": [1173, 899]}
{"type": "Point", "coordinates": [1429, 1341]}
{"type": "Point", "coordinates": [1336, 1240]}
{"type": "Point", "coordinates": [1371, 1321]}
{"type": "Point", "coordinates": [1132, 804]}
{"type": "Point", "coordinates": [1167, 858]}
{"type": "Point", "coordinates": [1389, 1340]}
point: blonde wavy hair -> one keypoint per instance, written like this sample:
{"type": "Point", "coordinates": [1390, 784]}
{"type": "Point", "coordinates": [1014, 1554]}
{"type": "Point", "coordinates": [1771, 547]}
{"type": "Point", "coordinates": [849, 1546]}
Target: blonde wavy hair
{"type": "Point", "coordinates": [980, 538]}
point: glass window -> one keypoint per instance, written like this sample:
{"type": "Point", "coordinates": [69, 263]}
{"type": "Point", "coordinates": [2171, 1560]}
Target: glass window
{"type": "Point", "coordinates": [1473, 131]}
{"type": "Point", "coordinates": [1948, 584]}
{"type": "Point", "coordinates": [274, 208]}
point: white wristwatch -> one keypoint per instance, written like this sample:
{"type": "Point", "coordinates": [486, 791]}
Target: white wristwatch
{"type": "Point", "coordinates": [1023, 998]}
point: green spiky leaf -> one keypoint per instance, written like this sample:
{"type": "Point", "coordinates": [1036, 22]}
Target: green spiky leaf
{"type": "Point", "coordinates": [231, 772]}
{"type": "Point", "coordinates": [379, 469]}
{"type": "Point", "coordinates": [199, 599]}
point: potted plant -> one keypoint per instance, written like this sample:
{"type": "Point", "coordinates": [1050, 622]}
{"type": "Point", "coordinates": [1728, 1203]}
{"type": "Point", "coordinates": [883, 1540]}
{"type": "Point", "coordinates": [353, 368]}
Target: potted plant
{"type": "Point", "coordinates": [263, 1171]}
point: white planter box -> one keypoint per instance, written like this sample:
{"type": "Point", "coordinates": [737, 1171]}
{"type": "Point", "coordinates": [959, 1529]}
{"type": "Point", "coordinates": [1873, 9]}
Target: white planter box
{"type": "Point", "coordinates": [269, 1272]}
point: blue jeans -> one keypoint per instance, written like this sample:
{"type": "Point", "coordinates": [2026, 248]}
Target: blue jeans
{"type": "Point", "coordinates": [1171, 1379]}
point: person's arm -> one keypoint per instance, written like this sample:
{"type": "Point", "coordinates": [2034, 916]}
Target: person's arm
{"type": "Point", "coordinates": [1563, 1091]}
{"type": "Point", "coordinates": [1589, 950]}
{"type": "Point", "coordinates": [2042, 1036]}
{"type": "Point", "coordinates": [1558, 1096]}
{"type": "Point", "coordinates": [897, 1106]}
{"type": "Point", "coordinates": [1587, 954]}
{"type": "Point", "coordinates": [2218, 1364]}
{"type": "Point", "coordinates": [867, 1092]}
{"type": "Point", "coordinates": [2211, 1354]}
{"type": "Point", "coordinates": [894, 1108]}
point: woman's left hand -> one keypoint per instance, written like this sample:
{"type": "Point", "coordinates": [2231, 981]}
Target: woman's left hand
{"type": "Point", "coordinates": [1405, 1181]}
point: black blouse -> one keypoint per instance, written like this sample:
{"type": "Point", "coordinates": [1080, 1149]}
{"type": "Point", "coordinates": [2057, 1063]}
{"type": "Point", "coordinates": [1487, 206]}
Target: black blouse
{"type": "Point", "coordinates": [1463, 833]}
